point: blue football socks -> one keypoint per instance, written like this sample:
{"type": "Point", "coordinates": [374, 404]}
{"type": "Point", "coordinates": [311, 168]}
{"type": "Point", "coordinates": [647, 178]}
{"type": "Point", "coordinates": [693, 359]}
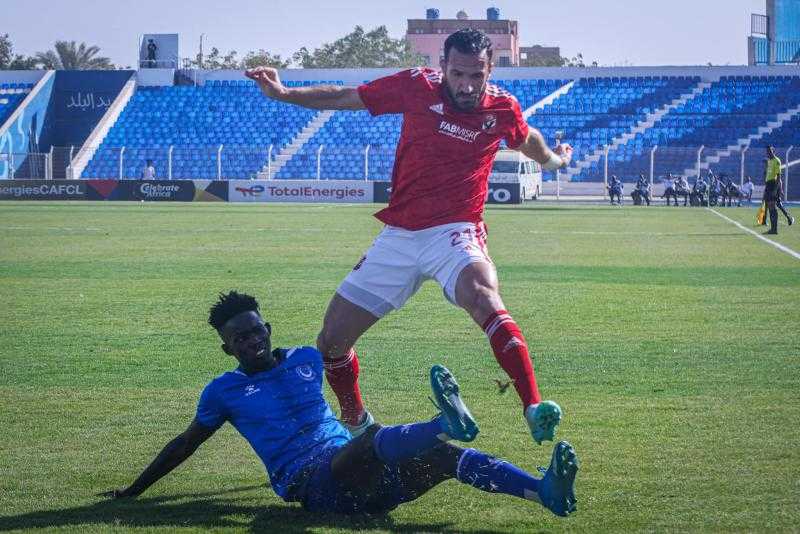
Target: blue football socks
{"type": "Point", "coordinates": [491, 474]}
{"type": "Point", "coordinates": [394, 444]}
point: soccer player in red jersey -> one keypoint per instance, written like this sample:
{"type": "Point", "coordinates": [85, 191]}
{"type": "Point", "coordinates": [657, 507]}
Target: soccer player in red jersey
{"type": "Point", "coordinates": [453, 123]}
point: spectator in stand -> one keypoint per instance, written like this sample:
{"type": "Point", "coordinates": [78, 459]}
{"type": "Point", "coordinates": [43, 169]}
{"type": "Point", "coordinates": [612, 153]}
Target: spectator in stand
{"type": "Point", "coordinates": [149, 172]}
{"type": "Point", "coordinates": [747, 189]}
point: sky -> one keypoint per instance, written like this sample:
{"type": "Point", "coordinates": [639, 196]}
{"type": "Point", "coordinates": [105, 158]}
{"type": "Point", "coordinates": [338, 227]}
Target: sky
{"type": "Point", "coordinates": [611, 32]}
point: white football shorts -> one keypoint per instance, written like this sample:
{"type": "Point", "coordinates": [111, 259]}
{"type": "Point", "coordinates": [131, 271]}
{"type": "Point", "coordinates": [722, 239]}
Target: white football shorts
{"type": "Point", "coordinates": [400, 260]}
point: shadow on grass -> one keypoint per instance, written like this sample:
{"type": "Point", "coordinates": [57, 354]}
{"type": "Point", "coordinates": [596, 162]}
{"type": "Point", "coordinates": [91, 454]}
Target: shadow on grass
{"type": "Point", "coordinates": [209, 510]}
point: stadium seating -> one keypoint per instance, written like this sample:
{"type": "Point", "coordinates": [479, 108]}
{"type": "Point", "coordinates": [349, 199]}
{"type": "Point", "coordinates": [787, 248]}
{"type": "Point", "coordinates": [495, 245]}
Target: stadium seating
{"type": "Point", "coordinates": [597, 110]}
{"type": "Point", "coordinates": [196, 121]}
{"type": "Point", "coordinates": [11, 95]}
{"type": "Point", "coordinates": [346, 135]}
{"type": "Point", "coordinates": [730, 110]}
{"type": "Point", "coordinates": [594, 112]}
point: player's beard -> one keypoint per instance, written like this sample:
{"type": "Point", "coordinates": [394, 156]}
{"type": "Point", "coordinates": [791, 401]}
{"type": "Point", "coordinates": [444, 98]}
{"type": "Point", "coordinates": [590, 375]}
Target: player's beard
{"type": "Point", "coordinates": [471, 103]}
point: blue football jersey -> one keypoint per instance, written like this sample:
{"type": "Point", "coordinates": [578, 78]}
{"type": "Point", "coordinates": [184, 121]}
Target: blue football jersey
{"type": "Point", "coordinates": [281, 412]}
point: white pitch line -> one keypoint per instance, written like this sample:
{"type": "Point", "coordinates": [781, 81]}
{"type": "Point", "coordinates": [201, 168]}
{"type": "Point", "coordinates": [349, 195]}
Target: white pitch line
{"type": "Point", "coordinates": [780, 247]}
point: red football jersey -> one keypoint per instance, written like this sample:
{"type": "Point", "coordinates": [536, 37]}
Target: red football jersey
{"type": "Point", "coordinates": [444, 156]}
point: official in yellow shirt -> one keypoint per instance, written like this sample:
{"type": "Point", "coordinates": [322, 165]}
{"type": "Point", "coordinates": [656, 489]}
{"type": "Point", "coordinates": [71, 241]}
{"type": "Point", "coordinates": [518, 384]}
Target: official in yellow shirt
{"type": "Point", "coordinates": [772, 192]}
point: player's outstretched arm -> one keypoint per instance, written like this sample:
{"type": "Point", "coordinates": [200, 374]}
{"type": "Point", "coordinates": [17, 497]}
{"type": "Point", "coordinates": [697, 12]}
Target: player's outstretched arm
{"type": "Point", "coordinates": [535, 147]}
{"type": "Point", "coordinates": [316, 97]}
{"type": "Point", "coordinates": [173, 454]}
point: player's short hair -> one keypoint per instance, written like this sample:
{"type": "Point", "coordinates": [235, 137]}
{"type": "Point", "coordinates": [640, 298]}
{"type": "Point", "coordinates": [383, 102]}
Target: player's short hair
{"type": "Point", "coordinates": [468, 41]}
{"type": "Point", "coordinates": [228, 306]}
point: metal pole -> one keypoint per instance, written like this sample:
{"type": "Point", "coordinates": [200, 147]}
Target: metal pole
{"type": "Point", "coordinates": [741, 168]}
{"type": "Point", "coordinates": [169, 162]}
{"type": "Point", "coordinates": [219, 162]}
{"type": "Point", "coordinates": [605, 171]}
{"type": "Point", "coordinates": [319, 161]}
{"type": "Point", "coordinates": [69, 167]}
{"type": "Point", "coordinates": [652, 163]}
{"type": "Point", "coordinates": [366, 163]}
{"type": "Point", "coordinates": [786, 174]}
{"type": "Point", "coordinates": [49, 171]}
{"type": "Point", "coordinates": [121, 159]}
{"type": "Point", "coordinates": [558, 185]}
{"type": "Point", "coordinates": [702, 147]}
{"type": "Point", "coordinates": [269, 163]}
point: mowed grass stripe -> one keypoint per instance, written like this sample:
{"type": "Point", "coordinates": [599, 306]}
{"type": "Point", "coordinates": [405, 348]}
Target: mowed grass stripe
{"type": "Point", "coordinates": [673, 348]}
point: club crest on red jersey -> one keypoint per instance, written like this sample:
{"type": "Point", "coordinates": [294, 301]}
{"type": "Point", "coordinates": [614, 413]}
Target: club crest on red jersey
{"type": "Point", "coordinates": [489, 122]}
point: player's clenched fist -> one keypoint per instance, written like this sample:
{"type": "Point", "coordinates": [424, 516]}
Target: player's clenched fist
{"type": "Point", "coordinates": [268, 80]}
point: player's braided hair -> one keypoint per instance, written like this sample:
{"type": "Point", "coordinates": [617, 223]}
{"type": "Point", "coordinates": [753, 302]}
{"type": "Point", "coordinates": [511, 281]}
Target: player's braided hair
{"type": "Point", "coordinates": [468, 41]}
{"type": "Point", "coordinates": [230, 305]}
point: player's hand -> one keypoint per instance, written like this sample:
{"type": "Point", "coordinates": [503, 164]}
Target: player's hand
{"type": "Point", "coordinates": [267, 80]}
{"type": "Point", "coordinates": [121, 493]}
{"type": "Point", "coordinates": [564, 151]}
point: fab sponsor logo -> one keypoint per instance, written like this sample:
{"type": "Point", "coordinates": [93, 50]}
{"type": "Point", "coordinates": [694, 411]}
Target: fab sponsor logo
{"type": "Point", "coordinates": [458, 132]}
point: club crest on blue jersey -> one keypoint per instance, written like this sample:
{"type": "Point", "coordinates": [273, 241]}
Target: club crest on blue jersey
{"type": "Point", "coordinates": [306, 372]}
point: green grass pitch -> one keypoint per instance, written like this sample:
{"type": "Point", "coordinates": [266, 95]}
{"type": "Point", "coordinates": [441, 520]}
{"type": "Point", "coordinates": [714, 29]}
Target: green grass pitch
{"type": "Point", "coordinates": [670, 338]}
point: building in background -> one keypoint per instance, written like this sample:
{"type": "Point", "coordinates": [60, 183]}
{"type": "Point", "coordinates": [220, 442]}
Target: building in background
{"type": "Point", "coordinates": [427, 37]}
{"type": "Point", "coordinates": [540, 56]}
{"type": "Point", "coordinates": [775, 37]}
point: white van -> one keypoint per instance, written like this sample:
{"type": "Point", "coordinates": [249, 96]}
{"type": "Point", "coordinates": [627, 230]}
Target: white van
{"type": "Point", "coordinates": [511, 166]}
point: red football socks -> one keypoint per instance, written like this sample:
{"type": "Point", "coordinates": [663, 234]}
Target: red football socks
{"type": "Point", "coordinates": [342, 375]}
{"type": "Point", "coordinates": [511, 352]}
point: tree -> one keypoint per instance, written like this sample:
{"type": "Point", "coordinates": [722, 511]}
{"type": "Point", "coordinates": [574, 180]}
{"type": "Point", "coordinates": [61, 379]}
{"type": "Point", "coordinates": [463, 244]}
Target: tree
{"type": "Point", "coordinates": [6, 51]}
{"type": "Point", "coordinates": [68, 55]}
{"type": "Point", "coordinates": [361, 49]}
{"type": "Point", "coordinates": [262, 58]}
{"type": "Point", "coordinates": [576, 61]}
{"type": "Point", "coordinates": [9, 61]}
{"type": "Point", "coordinates": [214, 60]}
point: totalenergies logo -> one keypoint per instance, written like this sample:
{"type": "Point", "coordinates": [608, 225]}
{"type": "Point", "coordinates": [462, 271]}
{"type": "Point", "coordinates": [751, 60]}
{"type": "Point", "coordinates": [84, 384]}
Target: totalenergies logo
{"type": "Point", "coordinates": [252, 191]}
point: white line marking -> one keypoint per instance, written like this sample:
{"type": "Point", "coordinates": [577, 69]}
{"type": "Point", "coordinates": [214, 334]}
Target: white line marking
{"type": "Point", "coordinates": [780, 247]}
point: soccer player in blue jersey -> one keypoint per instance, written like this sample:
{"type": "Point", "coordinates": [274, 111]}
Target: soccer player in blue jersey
{"type": "Point", "coordinates": [274, 399]}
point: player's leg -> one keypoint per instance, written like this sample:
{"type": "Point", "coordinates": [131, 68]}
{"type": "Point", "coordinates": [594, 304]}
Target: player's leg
{"type": "Point", "coordinates": [382, 281]}
{"type": "Point", "coordinates": [344, 323]}
{"type": "Point", "coordinates": [384, 465]}
{"type": "Point", "coordinates": [391, 465]}
{"type": "Point", "coordinates": [476, 290]}
{"type": "Point", "coordinates": [555, 491]}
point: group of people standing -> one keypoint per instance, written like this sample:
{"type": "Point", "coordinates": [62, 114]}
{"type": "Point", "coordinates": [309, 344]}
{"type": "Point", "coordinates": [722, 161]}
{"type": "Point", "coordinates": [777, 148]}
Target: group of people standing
{"type": "Point", "coordinates": [715, 191]}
